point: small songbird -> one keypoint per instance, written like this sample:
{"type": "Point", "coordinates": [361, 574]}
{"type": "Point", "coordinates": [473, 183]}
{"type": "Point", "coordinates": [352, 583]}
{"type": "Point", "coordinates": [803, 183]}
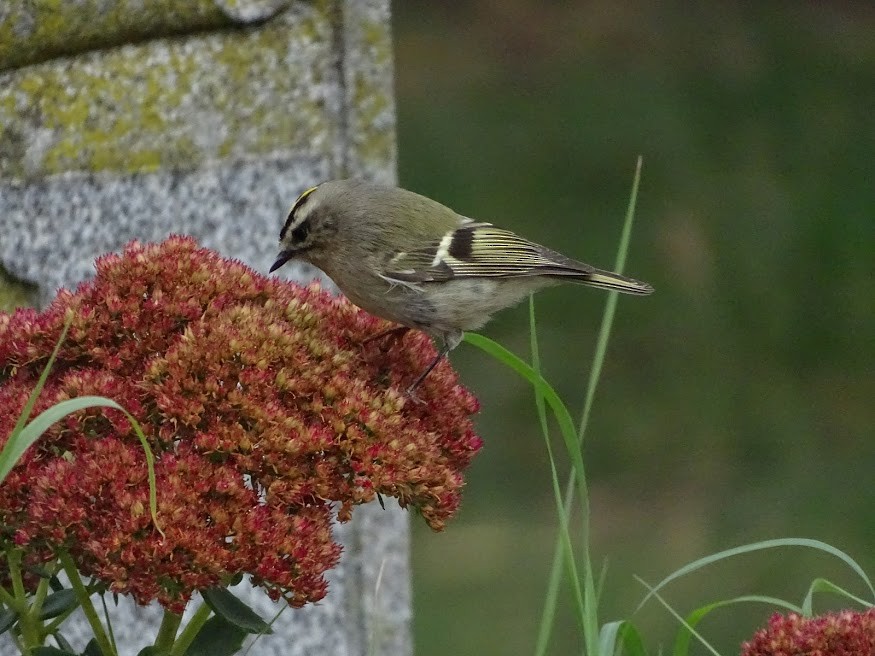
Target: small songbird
{"type": "Point", "coordinates": [409, 259]}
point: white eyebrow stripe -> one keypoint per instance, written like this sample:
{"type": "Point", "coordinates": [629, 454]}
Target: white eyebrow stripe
{"type": "Point", "coordinates": [443, 248]}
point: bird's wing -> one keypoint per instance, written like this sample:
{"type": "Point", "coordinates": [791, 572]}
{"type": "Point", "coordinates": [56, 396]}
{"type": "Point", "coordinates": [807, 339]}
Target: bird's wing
{"type": "Point", "coordinates": [478, 250]}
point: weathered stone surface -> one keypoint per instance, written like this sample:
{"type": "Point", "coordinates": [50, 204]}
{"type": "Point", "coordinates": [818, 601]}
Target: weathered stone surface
{"type": "Point", "coordinates": [184, 122]}
{"type": "Point", "coordinates": [31, 32]}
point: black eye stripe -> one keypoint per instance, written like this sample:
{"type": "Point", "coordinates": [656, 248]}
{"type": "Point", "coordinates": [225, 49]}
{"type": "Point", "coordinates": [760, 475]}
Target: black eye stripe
{"type": "Point", "coordinates": [300, 233]}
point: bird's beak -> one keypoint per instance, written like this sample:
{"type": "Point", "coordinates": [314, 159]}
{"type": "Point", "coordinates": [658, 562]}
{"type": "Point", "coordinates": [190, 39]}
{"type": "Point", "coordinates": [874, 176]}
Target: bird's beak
{"type": "Point", "coordinates": [281, 259]}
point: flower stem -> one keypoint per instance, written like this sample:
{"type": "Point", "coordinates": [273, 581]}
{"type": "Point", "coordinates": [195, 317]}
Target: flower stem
{"type": "Point", "coordinates": [84, 598]}
{"type": "Point", "coordinates": [41, 591]}
{"type": "Point", "coordinates": [201, 615]}
{"type": "Point", "coordinates": [27, 622]}
{"type": "Point", "coordinates": [167, 631]}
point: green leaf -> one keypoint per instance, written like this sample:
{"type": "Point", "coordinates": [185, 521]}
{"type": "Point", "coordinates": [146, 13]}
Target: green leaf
{"type": "Point", "coordinates": [57, 603]}
{"type": "Point", "coordinates": [224, 604]}
{"type": "Point", "coordinates": [8, 617]}
{"type": "Point", "coordinates": [63, 643]}
{"type": "Point", "coordinates": [52, 651]}
{"type": "Point", "coordinates": [152, 650]}
{"type": "Point", "coordinates": [217, 637]}
{"type": "Point", "coordinates": [92, 649]}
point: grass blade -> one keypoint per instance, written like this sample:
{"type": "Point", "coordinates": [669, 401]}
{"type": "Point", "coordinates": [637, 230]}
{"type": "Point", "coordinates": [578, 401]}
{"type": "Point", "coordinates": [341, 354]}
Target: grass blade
{"type": "Point", "coordinates": [595, 374]}
{"type": "Point", "coordinates": [9, 455]}
{"type": "Point", "coordinates": [621, 637]}
{"type": "Point", "coordinates": [684, 637]}
{"type": "Point", "coordinates": [760, 546]}
{"type": "Point", "coordinates": [565, 544]}
{"type": "Point", "coordinates": [822, 585]}
{"type": "Point", "coordinates": [19, 443]}
{"type": "Point", "coordinates": [607, 324]}
{"type": "Point", "coordinates": [653, 592]}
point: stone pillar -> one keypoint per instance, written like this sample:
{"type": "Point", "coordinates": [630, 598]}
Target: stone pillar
{"type": "Point", "coordinates": [123, 119]}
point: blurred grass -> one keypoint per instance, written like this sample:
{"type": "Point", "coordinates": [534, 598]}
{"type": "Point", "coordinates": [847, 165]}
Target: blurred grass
{"type": "Point", "coordinates": [735, 404]}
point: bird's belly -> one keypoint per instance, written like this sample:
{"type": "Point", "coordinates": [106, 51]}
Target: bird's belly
{"type": "Point", "coordinates": [447, 306]}
{"type": "Point", "coordinates": [467, 304]}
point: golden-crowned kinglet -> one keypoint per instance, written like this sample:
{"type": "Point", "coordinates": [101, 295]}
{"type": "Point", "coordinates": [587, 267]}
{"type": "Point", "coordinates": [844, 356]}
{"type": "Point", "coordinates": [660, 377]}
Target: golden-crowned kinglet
{"type": "Point", "coordinates": [411, 260]}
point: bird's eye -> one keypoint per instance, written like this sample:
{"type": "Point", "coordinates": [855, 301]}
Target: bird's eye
{"type": "Point", "coordinates": [300, 233]}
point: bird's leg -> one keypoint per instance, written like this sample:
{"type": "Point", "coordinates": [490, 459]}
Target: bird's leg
{"type": "Point", "coordinates": [412, 389]}
{"type": "Point", "coordinates": [397, 333]}
{"type": "Point", "coordinates": [451, 341]}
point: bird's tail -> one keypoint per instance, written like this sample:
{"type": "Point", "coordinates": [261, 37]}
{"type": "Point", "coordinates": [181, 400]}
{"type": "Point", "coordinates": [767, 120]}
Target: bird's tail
{"type": "Point", "coordinates": [609, 280]}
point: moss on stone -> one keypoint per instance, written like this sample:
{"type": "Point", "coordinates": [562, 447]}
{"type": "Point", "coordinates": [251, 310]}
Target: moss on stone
{"type": "Point", "coordinates": [15, 293]}
{"type": "Point", "coordinates": [173, 103]}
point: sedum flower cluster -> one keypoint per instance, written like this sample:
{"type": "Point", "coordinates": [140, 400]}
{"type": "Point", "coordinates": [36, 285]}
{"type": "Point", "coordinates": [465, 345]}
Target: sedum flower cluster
{"type": "Point", "coordinates": [847, 633]}
{"type": "Point", "coordinates": [268, 412]}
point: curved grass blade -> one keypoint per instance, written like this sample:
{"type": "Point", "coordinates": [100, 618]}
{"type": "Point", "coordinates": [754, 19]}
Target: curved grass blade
{"type": "Point", "coordinates": [653, 592]}
{"type": "Point", "coordinates": [566, 428]}
{"type": "Point", "coordinates": [823, 585]}
{"type": "Point", "coordinates": [685, 635]}
{"type": "Point", "coordinates": [565, 544]}
{"type": "Point", "coordinates": [621, 637]}
{"type": "Point", "coordinates": [543, 388]}
{"type": "Point", "coordinates": [31, 400]}
{"type": "Point", "coordinates": [594, 376]}
{"type": "Point", "coordinates": [20, 442]}
{"type": "Point", "coordinates": [760, 546]}
{"type": "Point", "coordinates": [10, 453]}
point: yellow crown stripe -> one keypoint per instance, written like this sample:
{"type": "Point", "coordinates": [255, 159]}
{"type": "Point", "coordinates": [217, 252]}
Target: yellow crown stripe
{"type": "Point", "coordinates": [301, 198]}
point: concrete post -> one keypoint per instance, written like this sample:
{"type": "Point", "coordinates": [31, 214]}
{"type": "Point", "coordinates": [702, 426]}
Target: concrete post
{"type": "Point", "coordinates": [124, 120]}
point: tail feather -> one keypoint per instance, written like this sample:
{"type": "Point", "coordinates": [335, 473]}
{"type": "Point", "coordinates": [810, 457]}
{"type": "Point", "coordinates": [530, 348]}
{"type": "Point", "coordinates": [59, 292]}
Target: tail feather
{"type": "Point", "coordinates": [604, 280]}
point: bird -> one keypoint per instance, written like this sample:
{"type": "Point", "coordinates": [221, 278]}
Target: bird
{"type": "Point", "coordinates": [413, 261]}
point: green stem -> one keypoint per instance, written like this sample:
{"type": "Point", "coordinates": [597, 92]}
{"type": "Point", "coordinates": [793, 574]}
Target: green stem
{"type": "Point", "coordinates": [42, 590]}
{"type": "Point", "coordinates": [167, 631]}
{"type": "Point", "coordinates": [108, 622]}
{"type": "Point", "coordinates": [27, 621]}
{"type": "Point", "coordinates": [84, 598]}
{"type": "Point", "coordinates": [52, 626]}
{"type": "Point", "coordinates": [201, 615]}
{"type": "Point", "coordinates": [13, 559]}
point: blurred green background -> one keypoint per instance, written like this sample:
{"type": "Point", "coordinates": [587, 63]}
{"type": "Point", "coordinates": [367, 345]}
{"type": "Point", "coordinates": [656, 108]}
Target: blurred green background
{"type": "Point", "coordinates": [738, 402]}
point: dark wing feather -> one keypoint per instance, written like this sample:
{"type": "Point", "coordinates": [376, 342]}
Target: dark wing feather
{"type": "Point", "coordinates": [479, 250]}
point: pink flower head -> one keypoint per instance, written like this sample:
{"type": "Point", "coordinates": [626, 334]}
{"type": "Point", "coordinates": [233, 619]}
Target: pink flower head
{"type": "Point", "coordinates": [266, 409]}
{"type": "Point", "coordinates": [848, 633]}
